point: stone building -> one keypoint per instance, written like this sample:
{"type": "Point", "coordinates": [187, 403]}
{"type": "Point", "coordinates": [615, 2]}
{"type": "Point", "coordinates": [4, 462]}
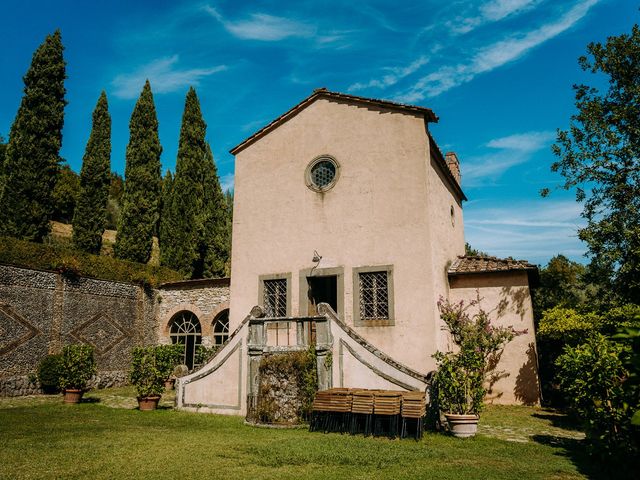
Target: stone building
{"type": "Point", "coordinates": [348, 228]}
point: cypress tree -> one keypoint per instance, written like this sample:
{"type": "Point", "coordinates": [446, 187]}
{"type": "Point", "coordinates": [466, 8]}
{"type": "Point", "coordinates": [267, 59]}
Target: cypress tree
{"type": "Point", "coordinates": [217, 238]}
{"type": "Point", "coordinates": [165, 204]}
{"type": "Point", "coordinates": [91, 209]}
{"type": "Point", "coordinates": [194, 214]}
{"type": "Point", "coordinates": [141, 197]}
{"type": "Point", "coordinates": [32, 155]}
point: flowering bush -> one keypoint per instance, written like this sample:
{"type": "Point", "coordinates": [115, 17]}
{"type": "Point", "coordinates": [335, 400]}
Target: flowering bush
{"type": "Point", "coordinates": [458, 385]}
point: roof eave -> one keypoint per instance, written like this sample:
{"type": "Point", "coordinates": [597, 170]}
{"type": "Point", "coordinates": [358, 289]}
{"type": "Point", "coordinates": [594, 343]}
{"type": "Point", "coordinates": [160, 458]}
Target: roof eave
{"type": "Point", "coordinates": [426, 113]}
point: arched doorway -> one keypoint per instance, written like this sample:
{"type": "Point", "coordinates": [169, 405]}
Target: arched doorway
{"type": "Point", "coordinates": [186, 330]}
{"type": "Point", "coordinates": [221, 327]}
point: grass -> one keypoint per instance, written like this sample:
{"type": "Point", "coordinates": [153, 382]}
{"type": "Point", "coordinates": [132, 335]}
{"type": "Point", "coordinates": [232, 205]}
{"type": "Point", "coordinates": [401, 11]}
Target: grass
{"type": "Point", "coordinates": [106, 437]}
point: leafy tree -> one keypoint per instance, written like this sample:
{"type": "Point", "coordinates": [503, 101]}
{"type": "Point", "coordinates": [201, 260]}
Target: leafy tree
{"type": "Point", "coordinates": [90, 214]}
{"type": "Point", "coordinates": [472, 252]}
{"type": "Point", "coordinates": [193, 227]}
{"type": "Point", "coordinates": [65, 194]}
{"type": "Point", "coordinates": [563, 282]}
{"type": "Point", "coordinates": [114, 202]}
{"type": "Point", "coordinates": [599, 156]}
{"type": "Point", "coordinates": [32, 154]}
{"type": "Point", "coordinates": [142, 183]}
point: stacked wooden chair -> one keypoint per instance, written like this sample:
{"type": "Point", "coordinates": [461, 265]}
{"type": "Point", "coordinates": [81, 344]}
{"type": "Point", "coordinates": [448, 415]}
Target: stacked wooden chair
{"type": "Point", "coordinates": [414, 409]}
{"type": "Point", "coordinates": [331, 410]}
{"type": "Point", "coordinates": [387, 406]}
{"type": "Point", "coordinates": [377, 412]}
{"type": "Point", "coordinates": [362, 412]}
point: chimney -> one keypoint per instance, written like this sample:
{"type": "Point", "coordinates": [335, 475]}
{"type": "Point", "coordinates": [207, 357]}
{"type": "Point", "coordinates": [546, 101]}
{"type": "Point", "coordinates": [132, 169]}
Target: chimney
{"type": "Point", "coordinates": [454, 165]}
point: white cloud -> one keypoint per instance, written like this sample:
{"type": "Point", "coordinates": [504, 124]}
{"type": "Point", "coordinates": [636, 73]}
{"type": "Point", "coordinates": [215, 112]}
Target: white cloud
{"type": "Point", "coordinates": [264, 27]}
{"type": "Point", "coordinates": [525, 142]}
{"type": "Point", "coordinates": [511, 150]}
{"type": "Point", "coordinates": [163, 75]}
{"type": "Point", "coordinates": [489, 12]}
{"type": "Point", "coordinates": [534, 230]}
{"type": "Point", "coordinates": [396, 74]}
{"type": "Point", "coordinates": [494, 56]}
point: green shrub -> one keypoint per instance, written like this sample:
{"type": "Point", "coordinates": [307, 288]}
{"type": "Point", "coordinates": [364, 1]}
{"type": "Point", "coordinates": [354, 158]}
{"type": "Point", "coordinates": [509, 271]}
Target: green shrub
{"type": "Point", "coordinates": [64, 260]}
{"type": "Point", "coordinates": [560, 327]}
{"type": "Point", "coordinates": [151, 366]}
{"type": "Point", "coordinates": [78, 366]}
{"type": "Point", "coordinates": [49, 372]}
{"type": "Point", "coordinates": [568, 325]}
{"type": "Point", "coordinates": [168, 357]}
{"type": "Point", "coordinates": [592, 376]}
{"type": "Point", "coordinates": [203, 355]}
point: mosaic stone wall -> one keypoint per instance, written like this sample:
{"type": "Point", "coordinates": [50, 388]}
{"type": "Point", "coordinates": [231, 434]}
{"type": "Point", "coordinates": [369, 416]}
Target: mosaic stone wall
{"type": "Point", "coordinates": [40, 312]}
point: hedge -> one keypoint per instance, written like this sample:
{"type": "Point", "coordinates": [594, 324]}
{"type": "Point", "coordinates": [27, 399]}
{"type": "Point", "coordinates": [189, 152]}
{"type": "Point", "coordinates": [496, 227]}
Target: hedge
{"type": "Point", "coordinates": [69, 262]}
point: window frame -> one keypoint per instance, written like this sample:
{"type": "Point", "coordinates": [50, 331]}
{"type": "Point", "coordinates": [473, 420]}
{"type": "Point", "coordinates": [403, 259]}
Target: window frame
{"type": "Point", "coordinates": [275, 276]}
{"type": "Point", "coordinates": [308, 180]}
{"type": "Point", "coordinates": [357, 318]}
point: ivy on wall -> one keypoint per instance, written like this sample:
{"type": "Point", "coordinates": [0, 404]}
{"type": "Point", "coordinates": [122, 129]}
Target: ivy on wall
{"type": "Point", "coordinates": [288, 383]}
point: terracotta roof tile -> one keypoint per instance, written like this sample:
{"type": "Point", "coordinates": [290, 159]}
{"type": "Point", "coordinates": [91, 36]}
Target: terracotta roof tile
{"type": "Point", "coordinates": [476, 264]}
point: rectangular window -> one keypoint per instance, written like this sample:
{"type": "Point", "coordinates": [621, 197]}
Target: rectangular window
{"type": "Point", "coordinates": [275, 297]}
{"type": "Point", "coordinates": [373, 296]}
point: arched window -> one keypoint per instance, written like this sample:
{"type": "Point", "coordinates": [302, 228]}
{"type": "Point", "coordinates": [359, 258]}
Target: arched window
{"type": "Point", "coordinates": [185, 330]}
{"type": "Point", "coordinates": [221, 327]}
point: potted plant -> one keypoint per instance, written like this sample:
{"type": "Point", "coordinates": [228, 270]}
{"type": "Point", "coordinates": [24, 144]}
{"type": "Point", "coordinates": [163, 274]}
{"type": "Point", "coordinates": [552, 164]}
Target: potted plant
{"type": "Point", "coordinates": [146, 377]}
{"type": "Point", "coordinates": [167, 358]}
{"type": "Point", "coordinates": [78, 365]}
{"type": "Point", "coordinates": [458, 386]}
{"type": "Point", "coordinates": [150, 368]}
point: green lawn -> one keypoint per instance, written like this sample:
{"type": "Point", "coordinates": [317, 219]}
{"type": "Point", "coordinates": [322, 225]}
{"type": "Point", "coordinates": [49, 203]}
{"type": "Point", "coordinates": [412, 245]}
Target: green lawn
{"type": "Point", "coordinates": [105, 437]}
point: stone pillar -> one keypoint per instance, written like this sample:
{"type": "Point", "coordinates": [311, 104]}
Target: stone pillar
{"type": "Point", "coordinates": [255, 347]}
{"type": "Point", "coordinates": [323, 351]}
{"type": "Point", "coordinates": [55, 335]}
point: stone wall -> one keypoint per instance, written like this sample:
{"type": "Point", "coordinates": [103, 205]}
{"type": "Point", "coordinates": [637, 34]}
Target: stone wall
{"type": "Point", "coordinates": [206, 298]}
{"type": "Point", "coordinates": [40, 312]}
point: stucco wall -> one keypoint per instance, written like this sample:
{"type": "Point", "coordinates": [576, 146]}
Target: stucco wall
{"type": "Point", "coordinates": [507, 299]}
{"type": "Point", "coordinates": [377, 214]}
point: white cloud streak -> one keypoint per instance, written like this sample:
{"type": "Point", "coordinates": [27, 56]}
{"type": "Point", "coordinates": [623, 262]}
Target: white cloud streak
{"type": "Point", "coordinates": [263, 27]}
{"type": "Point", "coordinates": [163, 75]}
{"type": "Point", "coordinates": [494, 56]}
{"type": "Point", "coordinates": [535, 230]}
{"type": "Point", "coordinates": [490, 12]}
{"type": "Point", "coordinates": [396, 74]}
{"type": "Point", "coordinates": [511, 150]}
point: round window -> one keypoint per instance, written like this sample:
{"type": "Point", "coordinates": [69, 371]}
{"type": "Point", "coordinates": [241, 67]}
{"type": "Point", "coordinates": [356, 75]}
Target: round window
{"type": "Point", "coordinates": [322, 173]}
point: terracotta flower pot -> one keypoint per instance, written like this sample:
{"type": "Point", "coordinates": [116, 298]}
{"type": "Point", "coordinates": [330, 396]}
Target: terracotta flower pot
{"type": "Point", "coordinates": [148, 403]}
{"type": "Point", "coordinates": [462, 426]}
{"type": "Point", "coordinates": [72, 395]}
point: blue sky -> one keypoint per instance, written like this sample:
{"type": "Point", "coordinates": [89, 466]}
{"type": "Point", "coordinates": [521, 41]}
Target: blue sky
{"type": "Point", "coordinates": [498, 73]}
